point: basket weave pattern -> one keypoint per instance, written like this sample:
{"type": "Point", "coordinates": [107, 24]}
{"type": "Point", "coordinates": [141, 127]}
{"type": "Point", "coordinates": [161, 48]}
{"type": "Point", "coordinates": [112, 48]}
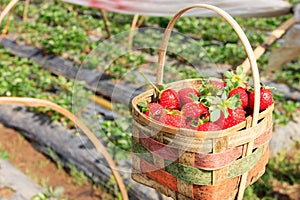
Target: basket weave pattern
{"type": "Point", "coordinates": [183, 163]}
{"type": "Point", "coordinates": [189, 164]}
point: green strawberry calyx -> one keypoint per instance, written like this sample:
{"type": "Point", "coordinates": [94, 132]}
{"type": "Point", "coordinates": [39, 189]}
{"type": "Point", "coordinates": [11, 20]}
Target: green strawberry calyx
{"type": "Point", "coordinates": [222, 104]}
{"type": "Point", "coordinates": [235, 79]}
{"type": "Point", "coordinates": [143, 106]}
{"type": "Point", "coordinates": [209, 89]}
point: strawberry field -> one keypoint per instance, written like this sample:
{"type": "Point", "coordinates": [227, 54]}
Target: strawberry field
{"type": "Point", "coordinates": [84, 60]}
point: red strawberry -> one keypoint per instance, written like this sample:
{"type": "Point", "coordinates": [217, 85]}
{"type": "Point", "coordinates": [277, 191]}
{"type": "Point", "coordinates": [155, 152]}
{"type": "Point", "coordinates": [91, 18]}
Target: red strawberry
{"type": "Point", "coordinates": [266, 99]}
{"type": "Point", "coordinates": [243, 95]}
{"type": "Point", "coordinates": [173, 118]}
{"type": "Point", "coordinates": [169, 99]}
{"type": "Point", "coordinates": [192, 124]}
{"type": "Point", "coordinates": [195, 110]}
{"type": "Point", "coordinates": [208, 126]}
{"type": "Point", "coordinates": [187, 95]}
{"type": "Point", "coordinates": [235, 116]}
{"type": "Point", "coordinates": [219, 84]}
{"type": "Point", "coordinates": [155, 110]}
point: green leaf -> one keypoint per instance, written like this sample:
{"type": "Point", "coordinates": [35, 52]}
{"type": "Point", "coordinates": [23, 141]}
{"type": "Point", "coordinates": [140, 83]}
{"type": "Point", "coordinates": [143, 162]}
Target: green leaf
{"type": "Point", "coordinates": [142, 104]}
{"type": "Point", "coordinates": [225, 112]}
{"type": "Point", "coordinates": [213, 100]}
{"type": "Point", "coordinates": [224, 95]}
{"type": "Point", "coordinates": [234, 105]}
{"type": "Point", "coordinates": [234, 98]}
{"type": "Point", "coordinates": [228, 74]}
{"type": "Point", "coordinates": [194, 97]}
{"type": "Point", "coordinates": [239, 70]}
{"type": "Point", "coordinates": [215, 115]}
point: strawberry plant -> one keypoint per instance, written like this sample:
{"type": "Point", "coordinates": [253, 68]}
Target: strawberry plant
{"type": "Point", "coordinates": [23, 78]}
{"type": "Point", "coordinates": [117, 136]}
{"type": "Point", "coordinates": [73, 31]}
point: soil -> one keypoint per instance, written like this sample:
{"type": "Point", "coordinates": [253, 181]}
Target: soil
{"type": "Point", "coordinates": [42, 170]}
{"type": "Point", "coordinates": [6, 192]}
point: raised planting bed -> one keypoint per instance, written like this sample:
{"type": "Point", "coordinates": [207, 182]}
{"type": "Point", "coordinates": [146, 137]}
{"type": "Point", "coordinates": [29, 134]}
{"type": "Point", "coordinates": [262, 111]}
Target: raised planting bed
{"type": "Point", "coordinates": [70, 149]}
{"type": "Point", "coordinates": [97, 80]}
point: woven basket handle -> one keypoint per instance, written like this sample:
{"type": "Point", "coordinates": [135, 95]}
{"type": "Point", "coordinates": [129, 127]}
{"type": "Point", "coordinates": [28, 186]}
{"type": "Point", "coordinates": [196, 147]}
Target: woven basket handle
{"type": "Point", "coordinates": [240, 33]}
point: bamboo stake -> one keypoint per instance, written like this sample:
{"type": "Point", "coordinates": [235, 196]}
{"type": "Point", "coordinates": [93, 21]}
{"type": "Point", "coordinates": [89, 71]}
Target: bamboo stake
{"type": "Point", "coordinates": [106, 23]}
{"type": "Point", "coordinates": [86, 27]}
{"type": "Point", "coordinates": [135, 24]}
{"type": "Point", "coordinates": [275, 35]}
{"type": "Point", "coordinates": [5, 29]}
{"type": "Point", "coordinates": [132, 29]}
{"type": "Point", "coordinates": [10, 5]}
{"type": "Point", "coordinates": [26, 10]}
{"type": "Point", "coordinates": [32, 102]}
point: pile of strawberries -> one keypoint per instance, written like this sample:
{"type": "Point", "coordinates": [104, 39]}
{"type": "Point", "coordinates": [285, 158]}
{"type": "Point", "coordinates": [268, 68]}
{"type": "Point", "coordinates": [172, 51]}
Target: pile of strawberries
{"type": "Point", "coordinates": [217, 105]}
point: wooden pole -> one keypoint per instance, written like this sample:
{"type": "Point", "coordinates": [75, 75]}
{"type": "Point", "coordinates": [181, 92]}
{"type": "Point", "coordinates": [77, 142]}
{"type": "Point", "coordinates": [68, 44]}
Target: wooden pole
{"type": "Point", "coordinates": [135, 24]}
{"type": "Point", "coordinates": [132, 29]}
{"type": "Point", "coordinates": [275, 35]}
{"type": "Point", "coordinates": [26, 10]}
{"type": "Point", "coordinates": [106, 23]}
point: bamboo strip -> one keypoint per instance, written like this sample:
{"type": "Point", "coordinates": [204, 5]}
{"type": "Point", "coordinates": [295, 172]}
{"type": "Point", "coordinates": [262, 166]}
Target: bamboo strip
{"type": "Point", "coordinates": [6, 10]}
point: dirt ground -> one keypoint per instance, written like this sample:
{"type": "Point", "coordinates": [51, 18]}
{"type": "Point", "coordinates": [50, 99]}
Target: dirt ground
{"type": "Point", "coordinates": [42, 170]}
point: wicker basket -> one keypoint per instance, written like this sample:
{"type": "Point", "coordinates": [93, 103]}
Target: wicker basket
{"type": "Point", "coordinates": [188, 164]}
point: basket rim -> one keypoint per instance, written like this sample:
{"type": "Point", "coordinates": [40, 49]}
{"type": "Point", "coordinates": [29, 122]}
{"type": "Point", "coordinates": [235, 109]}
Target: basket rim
{"type": "Point", "coordinates": [197, 134]}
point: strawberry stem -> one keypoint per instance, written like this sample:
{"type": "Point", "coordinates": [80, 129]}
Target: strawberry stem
{"type": "Point", "coordinates": [150, 82]}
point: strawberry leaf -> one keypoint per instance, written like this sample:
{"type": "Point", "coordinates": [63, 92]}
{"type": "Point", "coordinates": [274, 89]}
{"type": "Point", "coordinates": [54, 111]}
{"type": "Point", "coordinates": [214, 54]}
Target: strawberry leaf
{"type": "Point", "coordinates": [228, 74]}
{"type": "Point", "coordinates": [213, 100]}
{"type": "Point", "coordinates": [237, 78]}
{"type": "Point", "coordinates": [239, 70]}
{"type": "Point", "coordinates": [234, 101]}
{"type": "Point", "coordinates": [219, 93]}
{"type": "Point", "coordinates": [215, 115]}
{"type": "Point", "coordinates": [224, 95]}
{"type": "Point", "coordinates": [143, 106]}
{"type": "Point", "coordinates": [194, 97]}
{"type": "Point", "coordinates": [225, 112]}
